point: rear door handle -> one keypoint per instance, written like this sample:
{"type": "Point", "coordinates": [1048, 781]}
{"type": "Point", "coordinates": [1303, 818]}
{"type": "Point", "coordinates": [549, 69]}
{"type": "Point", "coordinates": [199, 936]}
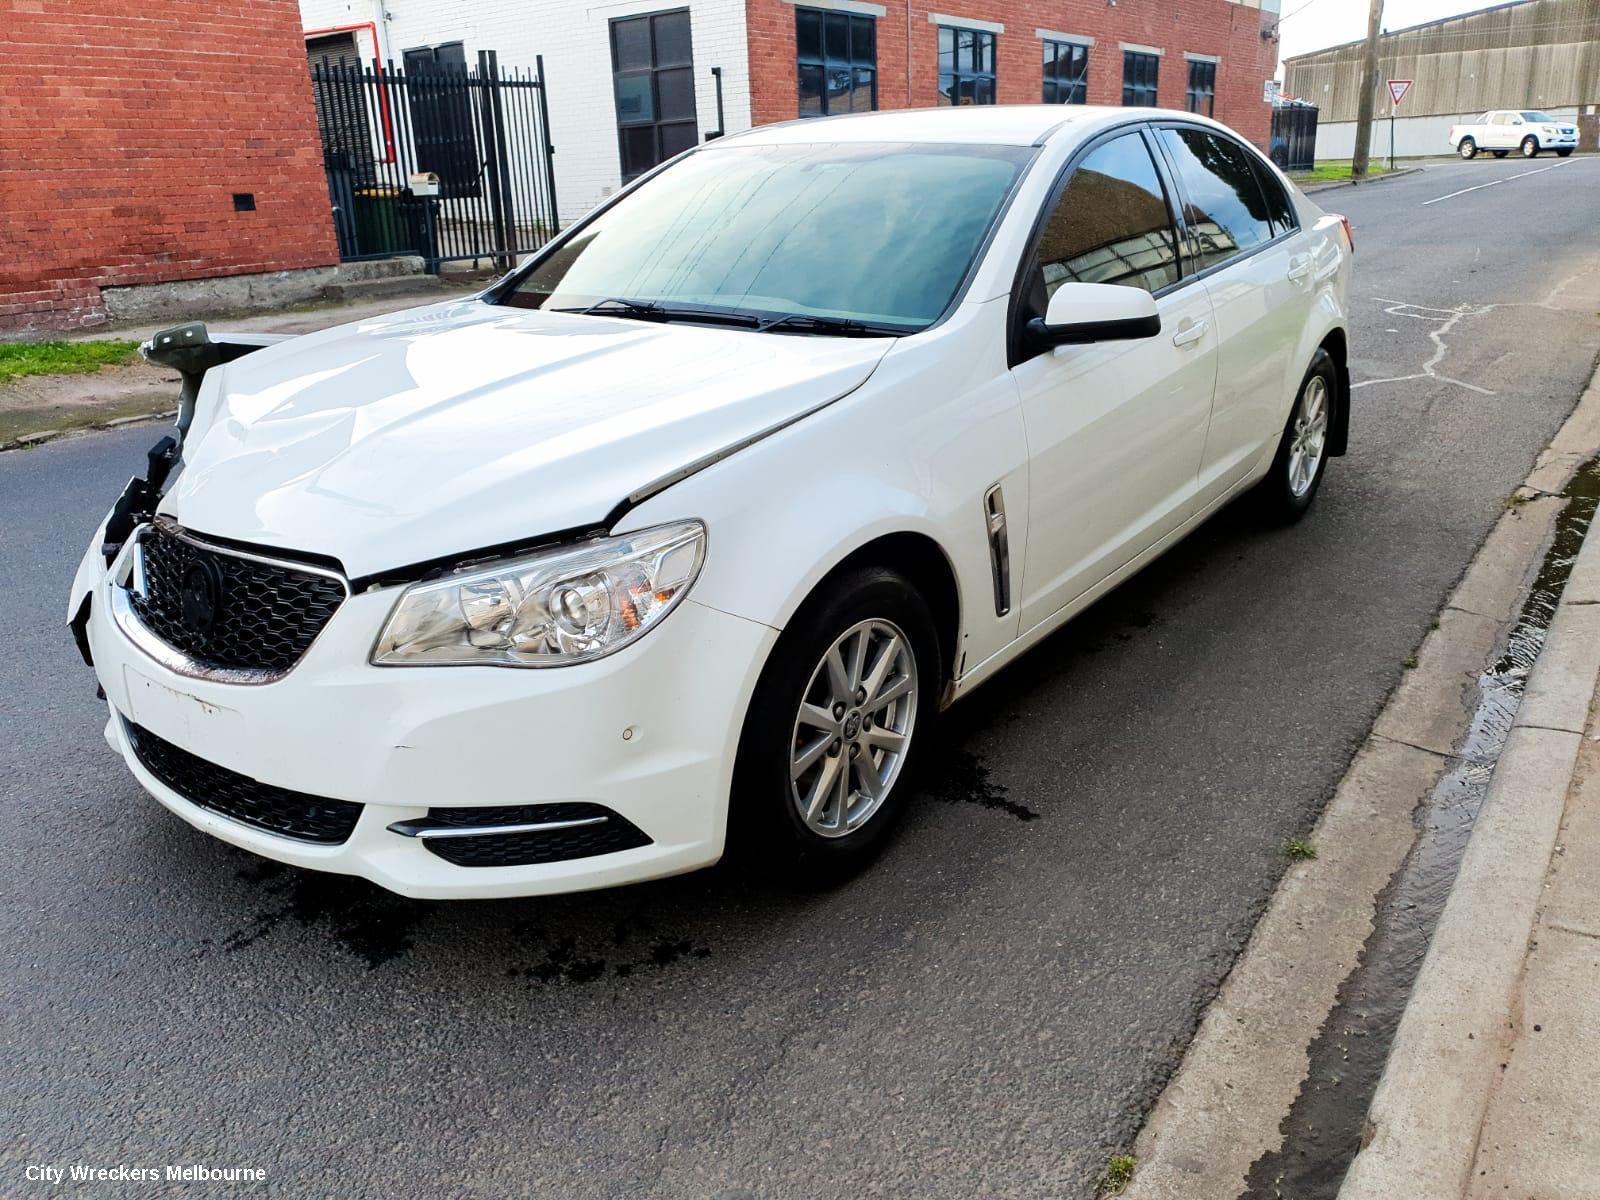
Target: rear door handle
{"type": "Point", "coordinates": [1299, 269]}
{"type": "Point", "coordinates": [1189, 333]}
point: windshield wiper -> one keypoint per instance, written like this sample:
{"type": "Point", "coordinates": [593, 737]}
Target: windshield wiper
{"type": "Point", "coordinates": [650, 310]}
{"type": "Point", "coordinates": [836, 326]}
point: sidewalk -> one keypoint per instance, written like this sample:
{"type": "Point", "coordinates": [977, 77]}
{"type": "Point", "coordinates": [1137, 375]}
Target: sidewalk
{"type": "Point", "coordinates": [41, 408]}
{"type": "Point", "coordinates": [1492, 1087]}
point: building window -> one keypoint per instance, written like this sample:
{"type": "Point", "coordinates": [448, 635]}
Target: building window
{"type": "Point", "coordinates": [1066, 73]}
{"type": "Point", "coordinates": [1202, 93]}
{"type": "Point", "coordinates": [966, 66]}
{"type": "Point", "coordinates": [838, 62]}
{"type": "Point", "coordinates": [652, 65]}
{"type": "Point", "coordinates": [1139, 73]}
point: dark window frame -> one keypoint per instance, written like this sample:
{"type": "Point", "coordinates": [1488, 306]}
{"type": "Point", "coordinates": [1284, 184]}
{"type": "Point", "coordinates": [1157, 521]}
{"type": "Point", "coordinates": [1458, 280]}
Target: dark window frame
{"type": "Point", "coordinates": [853, 61]}
{"type": "Point", "coordinates": [1203, 89]}
{"type": "Point", "coordinates": [653, 73]}
{"type": "Point", "coordinates": [1059, 90]}
{"type": "Point", "coordinates": [968, 74]}
{"type": "Point", "coordinates": [1135, 63]}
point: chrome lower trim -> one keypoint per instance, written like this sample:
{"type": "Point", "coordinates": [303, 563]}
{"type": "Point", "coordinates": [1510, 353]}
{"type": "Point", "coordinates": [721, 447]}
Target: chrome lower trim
{"type": "Point", "coordinates": [425, 831]}
{"type": "Point", "coordinates": [994, 519]}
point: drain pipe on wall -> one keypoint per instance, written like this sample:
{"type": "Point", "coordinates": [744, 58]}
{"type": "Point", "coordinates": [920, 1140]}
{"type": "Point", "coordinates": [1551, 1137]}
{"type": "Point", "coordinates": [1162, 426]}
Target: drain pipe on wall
{"type": "Point", "coordinates": [908, 53]}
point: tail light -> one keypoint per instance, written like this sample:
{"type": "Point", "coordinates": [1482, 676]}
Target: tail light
{"type": "Point", "coordinates": [1349, 238]}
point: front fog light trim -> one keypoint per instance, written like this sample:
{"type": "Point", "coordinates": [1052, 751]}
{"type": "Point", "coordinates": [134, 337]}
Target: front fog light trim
{"type": "Point", "coordinates": [565, 605]}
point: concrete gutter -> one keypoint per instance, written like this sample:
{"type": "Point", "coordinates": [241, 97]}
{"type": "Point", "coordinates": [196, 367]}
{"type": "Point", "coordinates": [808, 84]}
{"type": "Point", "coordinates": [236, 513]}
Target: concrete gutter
{"type": "Point", "coordinates": [1464, 1013]}
{"type": "Point", "coordinates": [1244, 1068]}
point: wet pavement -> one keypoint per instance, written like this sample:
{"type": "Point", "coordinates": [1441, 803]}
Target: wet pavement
{"type": "Point", "coordinates": [989, 1011]}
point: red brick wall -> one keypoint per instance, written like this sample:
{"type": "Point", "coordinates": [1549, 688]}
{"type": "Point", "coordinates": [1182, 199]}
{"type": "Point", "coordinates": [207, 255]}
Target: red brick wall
{"type": "Point", "coordinates": [125, 129]}
{"type": "Point", "coordinates": [1229, 31]}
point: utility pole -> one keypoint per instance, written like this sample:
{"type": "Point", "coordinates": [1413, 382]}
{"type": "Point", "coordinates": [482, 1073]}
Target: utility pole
{"type": "Point", "coordinates": [1369, 90]}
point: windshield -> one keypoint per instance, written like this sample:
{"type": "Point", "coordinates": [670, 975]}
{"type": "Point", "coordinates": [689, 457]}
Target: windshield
{"type": "Point", "coordinates": [1539, 118]}
{"type": "Point", "coordinates": [876, 234]}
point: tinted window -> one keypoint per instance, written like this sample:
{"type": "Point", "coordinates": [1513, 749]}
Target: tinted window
{"type": "Point", "coordinates": [1111, 224]}
{"type": "Point", "coordinates": [838, 62]}
{"type": "Point", "coordinates": [1139, 75]}
{"type": "Point", "coordinates": [966, 66]}
{"type": "Point", "coordinates": [1066, 73]}
{"type": "Point", "coordinates": [1223, 206]}
{"type": "Point", "coordinates": [1279, 206]}
{"type": "Point", "coordinates": [874, 231]}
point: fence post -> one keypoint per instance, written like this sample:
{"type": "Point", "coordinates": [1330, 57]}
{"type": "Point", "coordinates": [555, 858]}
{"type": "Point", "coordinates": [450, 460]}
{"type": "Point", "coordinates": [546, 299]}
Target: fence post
{"type": "Point", "coordinates": [494, 147]}
{"type": "Point", "coordinates": [549, 147]}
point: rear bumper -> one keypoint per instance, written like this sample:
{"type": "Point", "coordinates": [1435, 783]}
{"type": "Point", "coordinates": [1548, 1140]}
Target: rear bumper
{"type": "Point", "coordinates": [650, 733]}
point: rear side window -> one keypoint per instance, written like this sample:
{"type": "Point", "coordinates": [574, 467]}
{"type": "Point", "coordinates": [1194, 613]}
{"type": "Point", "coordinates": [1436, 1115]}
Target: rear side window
{"type": "Point", "coordinates": [1223, 204]}
{"type": "Point", "coordinates": [1279, 207]}
{"type": "Point", "coordinates": [1111, 223]}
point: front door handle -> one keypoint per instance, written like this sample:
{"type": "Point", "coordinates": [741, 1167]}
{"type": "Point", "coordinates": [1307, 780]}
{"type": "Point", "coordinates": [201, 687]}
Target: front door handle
{"type": "Point", "coordinates": [1189, 333]}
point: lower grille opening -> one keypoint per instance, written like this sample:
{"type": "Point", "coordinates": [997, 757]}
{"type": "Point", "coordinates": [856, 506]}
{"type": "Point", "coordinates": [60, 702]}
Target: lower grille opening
{"type": "Point", "coordinates": [277, 810]}
{"type": "Point", "coordinates": [603, 832]}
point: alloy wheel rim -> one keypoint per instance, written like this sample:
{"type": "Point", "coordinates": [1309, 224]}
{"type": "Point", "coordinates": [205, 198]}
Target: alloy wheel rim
{"type": "Point", "coordinates": [853, 728]}
{"type": "Point", "coordinates": [1309, 436]}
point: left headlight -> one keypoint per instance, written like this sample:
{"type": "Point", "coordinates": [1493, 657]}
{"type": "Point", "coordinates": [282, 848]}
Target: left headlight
{"type": "Point", "coordinates": [570, 604]}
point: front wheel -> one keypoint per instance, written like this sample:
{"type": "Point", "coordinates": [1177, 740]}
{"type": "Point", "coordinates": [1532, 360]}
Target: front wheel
{"type": "Point", "coordinates": [836, 728]}
{"type": "Point", "coordinates": [1468, 148]}
{"type": "Point", "coordinates": [1564, 153]}
{"type": "Point", "coordinates": [1296, 473]}
{"type": "Point", "coordinates": [1530, 147]}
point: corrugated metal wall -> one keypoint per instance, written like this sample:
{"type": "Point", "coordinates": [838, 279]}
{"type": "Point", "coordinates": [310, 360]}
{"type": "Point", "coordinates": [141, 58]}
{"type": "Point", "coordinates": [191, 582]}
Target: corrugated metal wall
{"type": "Point", "coordinates": [1537, 53]}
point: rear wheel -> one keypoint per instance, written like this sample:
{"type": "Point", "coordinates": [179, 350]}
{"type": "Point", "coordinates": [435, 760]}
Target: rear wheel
{"type": "Point", "coordinates": [1501, 153]}
{"type": "Point", "coordinates": [1530, 147]}
{"type": "Point", "coordinates": [1563, 153]}
{"type": "Point", "coordinates": [1468, 148]}
{"type": "Point", "coordinates": [836, 728]}
{"type": "Point", "coordinates": [1296, 473]}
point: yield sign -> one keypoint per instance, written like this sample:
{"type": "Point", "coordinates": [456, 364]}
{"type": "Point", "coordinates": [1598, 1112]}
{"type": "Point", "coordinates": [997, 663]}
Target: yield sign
{"type": "Point", "coordinates": [1398, 89]}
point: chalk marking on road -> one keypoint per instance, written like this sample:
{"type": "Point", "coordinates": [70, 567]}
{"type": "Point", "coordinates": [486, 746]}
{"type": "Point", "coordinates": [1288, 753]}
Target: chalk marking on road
{"type": "Point", "coordinates": [1566, 162]}
{"type": "Point", "coordinates": [1447, 322]}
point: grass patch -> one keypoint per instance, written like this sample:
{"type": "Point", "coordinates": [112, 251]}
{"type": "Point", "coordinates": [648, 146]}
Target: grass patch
{"type": "Point", "coordinates": [1335, 170]}
{"type": "Point", "coordinates": [62, 358]}
{"type": "Point", "coordinates": [1119, 1174]}
{"type": "Point", "coordinates": [1516, 500]}
{"type": "Point", "coordinates": [1409, 662]}
{"type": "Point", "coordinates": [1300, 849]}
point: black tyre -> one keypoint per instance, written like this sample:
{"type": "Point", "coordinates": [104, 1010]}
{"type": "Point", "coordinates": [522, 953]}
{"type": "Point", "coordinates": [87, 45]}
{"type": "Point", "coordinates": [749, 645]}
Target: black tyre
{"type": "Point", "coordinates": [1565, 152]}
{"type": "Point", "coordinates": [1468, 148]}
{"type": "Point", "coordinates": [836, 729]}
{"type": "Point", "coordinates": [1530, 147]}
{"type": "Point", "coordinates": [1501, 153]}
{"type": "Point", "coordinates": [1297, 469]}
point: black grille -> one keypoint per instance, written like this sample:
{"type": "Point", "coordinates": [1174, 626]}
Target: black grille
{"type": "Point", "coordinates": [250, 616]}
{"type": "Point", "coordinates": [275, 809]}
{"type": "Point", "coordinates": [527, 849]}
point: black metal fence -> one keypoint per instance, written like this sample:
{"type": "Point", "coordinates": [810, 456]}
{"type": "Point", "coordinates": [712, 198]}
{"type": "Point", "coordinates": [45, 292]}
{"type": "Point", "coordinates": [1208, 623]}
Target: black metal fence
{"type": "Point", "coordinates": [1294, 136]}
{"type": "Point", "coordinates": [485, 135]}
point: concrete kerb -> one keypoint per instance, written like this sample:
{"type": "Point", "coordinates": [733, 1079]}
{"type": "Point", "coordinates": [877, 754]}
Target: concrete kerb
{"type": "Point", "coordinates": [1425, 1118]}
{"type": "Point", "coordinates": [1314, 188]}
{"type": "Point", "coordinates": [1245, 1066]}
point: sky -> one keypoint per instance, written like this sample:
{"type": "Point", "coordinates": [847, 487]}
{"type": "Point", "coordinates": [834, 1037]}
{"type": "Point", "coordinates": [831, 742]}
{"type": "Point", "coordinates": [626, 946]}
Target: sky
{"type": "Point", "coordinates": [1307, 25]}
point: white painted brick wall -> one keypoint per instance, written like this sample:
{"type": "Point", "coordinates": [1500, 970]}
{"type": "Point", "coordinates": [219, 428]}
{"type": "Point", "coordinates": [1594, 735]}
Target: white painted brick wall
{"type": "Point", "coordinates": [574, 37]}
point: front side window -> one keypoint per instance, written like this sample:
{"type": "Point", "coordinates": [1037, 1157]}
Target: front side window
{"type": "Point", "coordinates": [1139, 74]}
{"type": "Point", "coordinates": [1066, 73]}
{"type": "Point", "coordinates": [966, 66]}
{"type": "Point", "coordinates": [837, 57]}
{"type": "Point", "coordinates": [876, 232]}
{"type": "Point", "coordinates": [1112, 223]}
{"type": "Point", "coordinates": [1202, 92]}
{"type": "Point", "coordinates": [1223, 205]}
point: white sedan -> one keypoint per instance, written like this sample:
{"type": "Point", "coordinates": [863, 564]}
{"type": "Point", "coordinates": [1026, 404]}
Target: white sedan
{"type": "Point", "coordinates": [682, 534]}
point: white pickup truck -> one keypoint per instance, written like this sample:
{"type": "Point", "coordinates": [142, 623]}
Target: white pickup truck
{"type": "Point", "coordinates": [1502, 130]}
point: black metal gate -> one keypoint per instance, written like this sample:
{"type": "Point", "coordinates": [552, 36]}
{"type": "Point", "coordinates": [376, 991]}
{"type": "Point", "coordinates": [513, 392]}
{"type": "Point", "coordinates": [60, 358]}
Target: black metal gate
{"type": "Point", "coordinates": [484, 134]}
{"type": "Point", "coordinates": [1294, 135]}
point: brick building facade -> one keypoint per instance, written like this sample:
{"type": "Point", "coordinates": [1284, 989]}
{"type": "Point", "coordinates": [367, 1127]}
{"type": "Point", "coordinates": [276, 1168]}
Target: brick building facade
{"type": "Point", "coordinates": [134, 139]}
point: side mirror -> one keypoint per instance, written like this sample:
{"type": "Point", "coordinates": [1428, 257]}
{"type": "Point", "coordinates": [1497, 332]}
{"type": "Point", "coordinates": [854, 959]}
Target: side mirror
{"type": "Point", "coordinates": [1081, 313]}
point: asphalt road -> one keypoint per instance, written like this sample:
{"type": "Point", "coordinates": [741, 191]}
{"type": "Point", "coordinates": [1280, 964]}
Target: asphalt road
{"type": "Point", "coordinates": [988, 1012]}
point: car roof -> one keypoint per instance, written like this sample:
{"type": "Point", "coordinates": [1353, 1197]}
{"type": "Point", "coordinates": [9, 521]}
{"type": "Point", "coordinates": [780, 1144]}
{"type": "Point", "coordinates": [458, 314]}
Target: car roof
{"type": "Point", "coordinates": [986, 124]}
